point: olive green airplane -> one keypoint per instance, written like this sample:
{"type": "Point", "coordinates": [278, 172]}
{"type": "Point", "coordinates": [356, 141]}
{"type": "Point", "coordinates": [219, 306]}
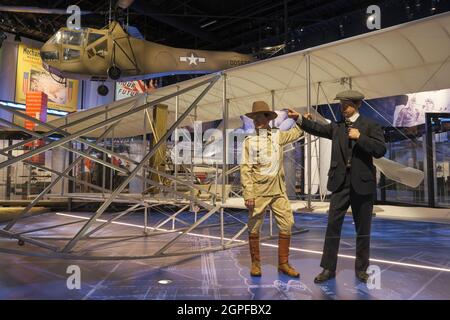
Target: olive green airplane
{"type": "Point", "coordinates": [111, 53]}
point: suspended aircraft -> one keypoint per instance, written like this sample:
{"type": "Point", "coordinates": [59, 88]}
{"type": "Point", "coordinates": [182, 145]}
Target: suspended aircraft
{"type": "Point", "coordinates": [116, 53]}
{"type": "Point", "coordinates": [99, 54]}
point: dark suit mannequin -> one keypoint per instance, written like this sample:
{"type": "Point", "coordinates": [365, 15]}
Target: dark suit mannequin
{"type": "Point", "coordinates": [351, 179]}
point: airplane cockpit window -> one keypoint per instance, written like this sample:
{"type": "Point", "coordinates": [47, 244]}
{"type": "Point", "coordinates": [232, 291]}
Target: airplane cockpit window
{"type": "Point", "coordinates": [101, 49]}
{"type": "Point", "coordinates": [71, 54]}
{"type": "Point", "coordinates": [72, 37]}
{"type": "Point", "coordinates": [92, 37]}
{"type": "Point", "coordinates": [49, 55]}
{"type": "Point", "coordinates": [54, 38]}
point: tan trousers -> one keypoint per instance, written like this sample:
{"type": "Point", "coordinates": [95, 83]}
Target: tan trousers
{"type": "Point", "coordinates": [281, 209]}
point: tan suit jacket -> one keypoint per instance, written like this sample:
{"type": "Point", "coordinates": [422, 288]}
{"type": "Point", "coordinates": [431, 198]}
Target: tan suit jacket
{"type": "Point", "coordinates": [262, 172]}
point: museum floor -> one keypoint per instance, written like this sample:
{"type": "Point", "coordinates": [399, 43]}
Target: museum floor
{"type": "Point", "coordinates": [413, 257]}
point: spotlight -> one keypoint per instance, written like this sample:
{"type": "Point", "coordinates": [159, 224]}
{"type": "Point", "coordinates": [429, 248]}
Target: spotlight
{"type": "Point", "coordinates": [17, 38]}
{"type": "Point", "coordinates": [341, 30]}
{"type": "Point", "coordinates": [418, 4]}
{"type": "Point", "coordinates": [409, 12]}
{"type": "Point", "coordinates": [434, 5]}
{"type": "Point", "coordinates": [102, 90]}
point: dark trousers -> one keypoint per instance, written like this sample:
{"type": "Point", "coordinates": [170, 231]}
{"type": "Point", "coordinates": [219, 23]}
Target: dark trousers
{"type": "Point", "coordinates": [362, 206]}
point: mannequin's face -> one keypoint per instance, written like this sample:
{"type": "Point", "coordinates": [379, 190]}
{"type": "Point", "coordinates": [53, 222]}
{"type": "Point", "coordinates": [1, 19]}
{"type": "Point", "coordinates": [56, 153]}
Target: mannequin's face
{"type": "Point", "coordinates": [261, 121]}
{"type": "Point", "coordinates": [348, 109]}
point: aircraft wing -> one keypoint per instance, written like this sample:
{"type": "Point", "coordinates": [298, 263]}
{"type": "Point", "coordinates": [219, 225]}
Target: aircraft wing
{"type": "Point", "coordinates": [397, 172]}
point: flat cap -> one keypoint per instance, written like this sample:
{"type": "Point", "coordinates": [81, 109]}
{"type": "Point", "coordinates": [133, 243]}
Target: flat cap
{"type": "Point", "coordinates": [349, 95]}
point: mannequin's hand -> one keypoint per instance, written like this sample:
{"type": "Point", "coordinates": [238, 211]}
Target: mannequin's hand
{"type": "Point", "coordinates": [308, 116]}
{"type": "Point", "coordinates": [250, 204]}
{"type": "Point", "coordinates": [293, 114]}
{"type": "Point", "coordinates": [353, 134]}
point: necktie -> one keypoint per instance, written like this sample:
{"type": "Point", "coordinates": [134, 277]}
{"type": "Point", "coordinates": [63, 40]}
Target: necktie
{"type": "Point", "coordinates": [348, 125]}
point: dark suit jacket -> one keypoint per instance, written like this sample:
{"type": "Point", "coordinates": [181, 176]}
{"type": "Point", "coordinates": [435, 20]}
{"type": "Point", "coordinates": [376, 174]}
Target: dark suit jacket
{"type": "Point", "coordinates": [370, 144]}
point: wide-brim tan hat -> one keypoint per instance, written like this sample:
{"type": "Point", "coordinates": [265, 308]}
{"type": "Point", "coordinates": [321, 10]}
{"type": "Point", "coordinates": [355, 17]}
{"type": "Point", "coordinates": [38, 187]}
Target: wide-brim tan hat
{"type": "Point", "coordinates": [261, 107]}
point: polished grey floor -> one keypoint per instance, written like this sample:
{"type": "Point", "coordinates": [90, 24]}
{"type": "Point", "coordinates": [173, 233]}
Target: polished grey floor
{"type": "Point", "coordinates": [419, 246]}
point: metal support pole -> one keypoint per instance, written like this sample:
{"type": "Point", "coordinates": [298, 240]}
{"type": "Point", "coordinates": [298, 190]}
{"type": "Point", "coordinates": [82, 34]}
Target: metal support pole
{"type": "Point", "coordinates": [215, 183]}
{"type": "Point", "coordinates": [173, 223]}
{"type": "Point", "coordinates": [8, 174]}
{"type": "Point", "coordinates": [429, 156]}
{"type": "Point", "coordinates": [145, 219]}
{"type": "Point", "coordinates": [222, 231]}
{"type": "Point", "coordinates": [29, 181]}
{"type": "Point", "coordinates": [63, 181]}
{"type": "Point", "coordinates": [104, 159]}
{"type": "Point", "coordinates": [308, 136]}
{"type": "Point", "coordinates": [177, 101]}
{"type": "Point", "coordinates": [271, 222]}
{"type": "Point", "coordinates": [272, 93]}
{"type": "Point", "coordinates": [70, 183]}
{"type": "Point", "coordinates": [225, 138]}
{"type": "Point", "coordinates": [285, 25]}
{"type": "Point", "coordinates": [191, 179]}
{"type": "Point", "coordinates": [144, 182]}
{"type": "Point", "coordinates": [112, 173]}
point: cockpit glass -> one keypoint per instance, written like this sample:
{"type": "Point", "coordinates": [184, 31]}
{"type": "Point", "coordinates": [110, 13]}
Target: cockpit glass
{"type": "Point", "coordinates": [49, 55]}
{"type": "Point", "coordinates": [72, 38]}
{"type": "Point", "coordinates": [102, 48]}
{"type": "Point", "coordinates": [53, 39]}
{"type": "Point", "coordinates": [70, 54]}
{"type": "Point", "coordinates": [94, 37]}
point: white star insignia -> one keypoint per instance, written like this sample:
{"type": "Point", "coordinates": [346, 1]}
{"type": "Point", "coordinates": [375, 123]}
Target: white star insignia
{"type": "Point", "coordinates": [192, 59]}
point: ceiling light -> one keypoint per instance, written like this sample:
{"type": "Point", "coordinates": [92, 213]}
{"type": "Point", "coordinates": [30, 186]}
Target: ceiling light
{"type": "Point", "coordinates": [341, 30]}
{"type": "Point", "coordinates": [208, 24]}
{"type": "Point", "coordinates": [433, 5]}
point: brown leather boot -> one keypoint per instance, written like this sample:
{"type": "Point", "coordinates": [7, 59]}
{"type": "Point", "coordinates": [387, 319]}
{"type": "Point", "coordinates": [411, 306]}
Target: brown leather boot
{"type": "Point", "coordinates": [253, 240]}
{"type": "Point", "coordinates": [284, 241]}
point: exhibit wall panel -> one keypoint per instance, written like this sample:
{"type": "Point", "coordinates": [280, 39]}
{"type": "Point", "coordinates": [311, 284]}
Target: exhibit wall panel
{"type": "Point", "coordinates": [90, 96]}
{"type": "Point", "coordinates": [8, 73]}
{"type": "Point", "coordinates": [8, 70]}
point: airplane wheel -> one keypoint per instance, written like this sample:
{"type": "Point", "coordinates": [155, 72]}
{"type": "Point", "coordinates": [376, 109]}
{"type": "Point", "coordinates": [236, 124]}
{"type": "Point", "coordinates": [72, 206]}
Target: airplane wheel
{"type": "Point", "coordinates": [21, 243]}
{"type": "Point", "coordinates": [102, 90]}
{"type": "Point", "coordinates": [114, 73]}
